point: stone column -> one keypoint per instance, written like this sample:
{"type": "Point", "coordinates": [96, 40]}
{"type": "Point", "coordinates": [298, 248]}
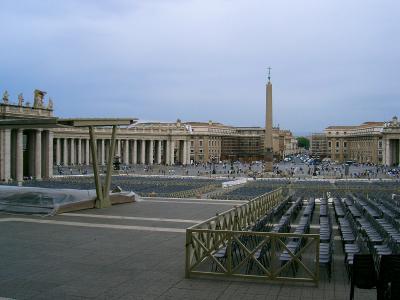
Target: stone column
{"type": "Point", "coordinates": [19, 170]}
{"type": "Point", "coordinates": [48, 154]}
{"type": "Point", "coordinates": [72, 151]}
{"type": "Point", "coordinates": [5, 154]}
{"type": "Point", "coordinates": [38, 154]}
{"type": "Point", "coordinates": [167, 152]}
{"type": "Point", "coordinates": [151, 152]}
{"type": "Point", "coordinates": [188, 152]}
{"type": "Point", "coordinates": [159, 142]}
{"type": "Point", "coordinates": [126, 153]}
{"type": "Point", "coordinates": [118, 150]}
{"type": "Point", "coordinates": [30, 158]}
{"type": "Point", "coordinates": [398, 158]}
{"type": "Point", "coordinates": [387, 153]}
{"type": "Point", "coordinates": [58, 151]}
{"type": "Point", "coordinates": [134, 152]}
{"type": "Point", "coordinates": [87, 152]}
{"type": "Point", "coordinates": [184, 154]}
{"type": "Point", "coordinates": [65, 152]}
{"type": "Point", "coordinates": [103, 151]}
{"type": "Point", "coordinates": [143, 152]}
{"type": "Point", "coordinates": [79, 152]}
{"type": "Point", "coordinates": [172, 152]}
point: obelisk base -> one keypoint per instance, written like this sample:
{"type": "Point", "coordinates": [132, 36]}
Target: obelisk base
{"type": "Point", "coordinates": [268, 161]}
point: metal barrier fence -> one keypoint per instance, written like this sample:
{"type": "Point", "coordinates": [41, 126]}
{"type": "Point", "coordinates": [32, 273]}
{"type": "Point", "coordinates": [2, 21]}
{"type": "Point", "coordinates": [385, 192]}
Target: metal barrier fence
{"type": "Point", "coordinates": [221, 246]}
{"type": "Point", "coordinates": [253, 255]}
{"type": "Point", "coordinates": [240, 217]}
{"type": "Point", "coordinates": [195, 192]}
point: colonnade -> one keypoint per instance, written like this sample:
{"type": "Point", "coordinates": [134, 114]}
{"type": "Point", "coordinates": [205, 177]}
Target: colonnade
{"type": "Point", "coordinates": [33, 152]}
{"type": "Point", "coordinates": [392, 152]}
{"type": "Point", "coordinates": [26, 153]}
{"type": "Point", "coordinates": [75, 151]}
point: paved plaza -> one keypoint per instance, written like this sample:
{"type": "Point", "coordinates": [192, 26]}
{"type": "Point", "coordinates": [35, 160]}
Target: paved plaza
{"type": "Point", "coordinates": [130, 251]}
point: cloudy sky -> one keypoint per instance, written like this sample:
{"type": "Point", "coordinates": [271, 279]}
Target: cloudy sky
{"type": "Point", "coordinates": [333, 61]}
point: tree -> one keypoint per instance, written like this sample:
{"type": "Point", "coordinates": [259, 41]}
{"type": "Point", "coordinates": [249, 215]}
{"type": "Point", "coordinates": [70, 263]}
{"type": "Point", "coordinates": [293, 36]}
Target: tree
{"type": "Point", "coordinates": [303, 142]}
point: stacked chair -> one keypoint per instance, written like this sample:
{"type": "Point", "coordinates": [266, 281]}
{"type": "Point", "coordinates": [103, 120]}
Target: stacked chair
{"type": "Point", "coordinates": [325, 236]}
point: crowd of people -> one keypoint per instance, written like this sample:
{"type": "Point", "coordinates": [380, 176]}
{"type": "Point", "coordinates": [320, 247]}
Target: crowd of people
{"type": "Point", "coordinates": [248, 169]}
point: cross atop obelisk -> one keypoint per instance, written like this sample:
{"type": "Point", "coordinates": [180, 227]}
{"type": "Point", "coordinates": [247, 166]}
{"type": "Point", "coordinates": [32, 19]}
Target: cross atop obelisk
{"type": "Point", "coordinates": [269, 74]}
{"type": "Point", "coordinates": [268, 141]}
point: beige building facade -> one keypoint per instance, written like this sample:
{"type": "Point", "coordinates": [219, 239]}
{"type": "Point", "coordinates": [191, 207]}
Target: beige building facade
{"type": "Point", "coordinates": [370, 142]}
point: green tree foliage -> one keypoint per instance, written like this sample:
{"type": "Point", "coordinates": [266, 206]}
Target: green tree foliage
{"type": "Point", "coordinates": [303, 142]}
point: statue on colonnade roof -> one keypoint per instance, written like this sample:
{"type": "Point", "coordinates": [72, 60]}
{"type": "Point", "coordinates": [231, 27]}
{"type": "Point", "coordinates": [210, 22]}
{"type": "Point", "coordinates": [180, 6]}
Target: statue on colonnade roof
{"type": "Point", "coordinates": [50, 104]}
{"type": "Point", "coordinates": [20, 99]}
{"type": "Point", "coordinates": [5, 97]}
{"type": "Point", "coordinates": [38, 98]}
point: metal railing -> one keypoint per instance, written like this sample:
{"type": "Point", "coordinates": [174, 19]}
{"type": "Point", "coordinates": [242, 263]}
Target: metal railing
{"type": "Point", "coordinates": [242, 216]}
{"type": "Point", "coordinates": [222, 247]}
{"type": "Point", "coordinates": [252, 255]}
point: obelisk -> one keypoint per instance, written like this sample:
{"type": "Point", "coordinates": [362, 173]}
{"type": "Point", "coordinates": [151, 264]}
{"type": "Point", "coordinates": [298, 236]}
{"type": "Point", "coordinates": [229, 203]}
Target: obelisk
{"type": "Point", "coordinates": [268, 147]}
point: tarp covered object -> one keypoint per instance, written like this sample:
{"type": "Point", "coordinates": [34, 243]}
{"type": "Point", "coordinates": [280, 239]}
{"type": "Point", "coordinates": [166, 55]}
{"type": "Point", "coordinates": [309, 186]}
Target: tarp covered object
{"type": "Point", "coordinates": [44, 201]}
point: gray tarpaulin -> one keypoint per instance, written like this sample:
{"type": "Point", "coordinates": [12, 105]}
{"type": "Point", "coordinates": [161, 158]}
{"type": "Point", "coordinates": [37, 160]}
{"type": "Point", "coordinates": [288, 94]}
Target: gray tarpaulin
{"type": "Point", "coordinates": [42, 200]}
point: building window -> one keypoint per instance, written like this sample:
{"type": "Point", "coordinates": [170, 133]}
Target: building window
{"type": "Point", "coordinates": [192, 144]}
{"type": "Point", "coordinates": [380, 144]}
{"type": "Point", "coordinates": [337, 144]}
{"type": "Point", "coordinates": [201, 143]}
{"type": "Point", "coordinates": [329, 144]}
{"type": "Point", "coordinates": [344, 144]}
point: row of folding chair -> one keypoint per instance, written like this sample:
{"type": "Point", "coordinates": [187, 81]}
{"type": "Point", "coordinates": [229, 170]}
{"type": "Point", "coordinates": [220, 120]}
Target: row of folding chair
{"type": "Point", "coordinates": [325, 236]}
{"type": "Point", "coordinates": [391, 226]}
{"type": "Point", "coordinates": [339, 208]}
{"type": "Point", "coordinates": [294, 244]}
{"type": "Point", "coordinates": [359, 246]}
{"type": "Point", "coordinates": [347, 229]}
{"type": "Point", "coordinates": [283, 225]}
{"type": "Point", "coordinates": [323, 207]}
{"type": "Point", "coordinates": [264, 224]}
{"type": "Point", "coordinates": [325, 229]}
{"type": "Point", "coordinates": [263, 254]}
{"type": "Point", "coordinates": [294, 208]}
{"type": "Point", "coordinates": [291, 213]}
{"type": "Point", "coordinates": [279, 209]}
{"type": "Point", "coordinates": [370, 229]}
{"type": "Point", "coordinates": [309, 209]}
{"type": "Point", "coordinates": [364, 205]}
{"type": "Point", "coordinates": [392, 206]}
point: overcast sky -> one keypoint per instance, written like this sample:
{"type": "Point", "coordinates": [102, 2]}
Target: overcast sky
{"type": "Point", "coordinates": [333, 62]}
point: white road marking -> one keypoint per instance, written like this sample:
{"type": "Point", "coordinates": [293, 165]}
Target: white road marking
{"type": "Point", "coordinates": [95, 225]}
{"type": "Point", "coordinates": [193, 202]}
{"type": "Point", "coordinates": [108, 226]}
{"type": "Point", "coordinates": [193, 199]}
{"type": "Point", "coordinates": [130, 218]}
